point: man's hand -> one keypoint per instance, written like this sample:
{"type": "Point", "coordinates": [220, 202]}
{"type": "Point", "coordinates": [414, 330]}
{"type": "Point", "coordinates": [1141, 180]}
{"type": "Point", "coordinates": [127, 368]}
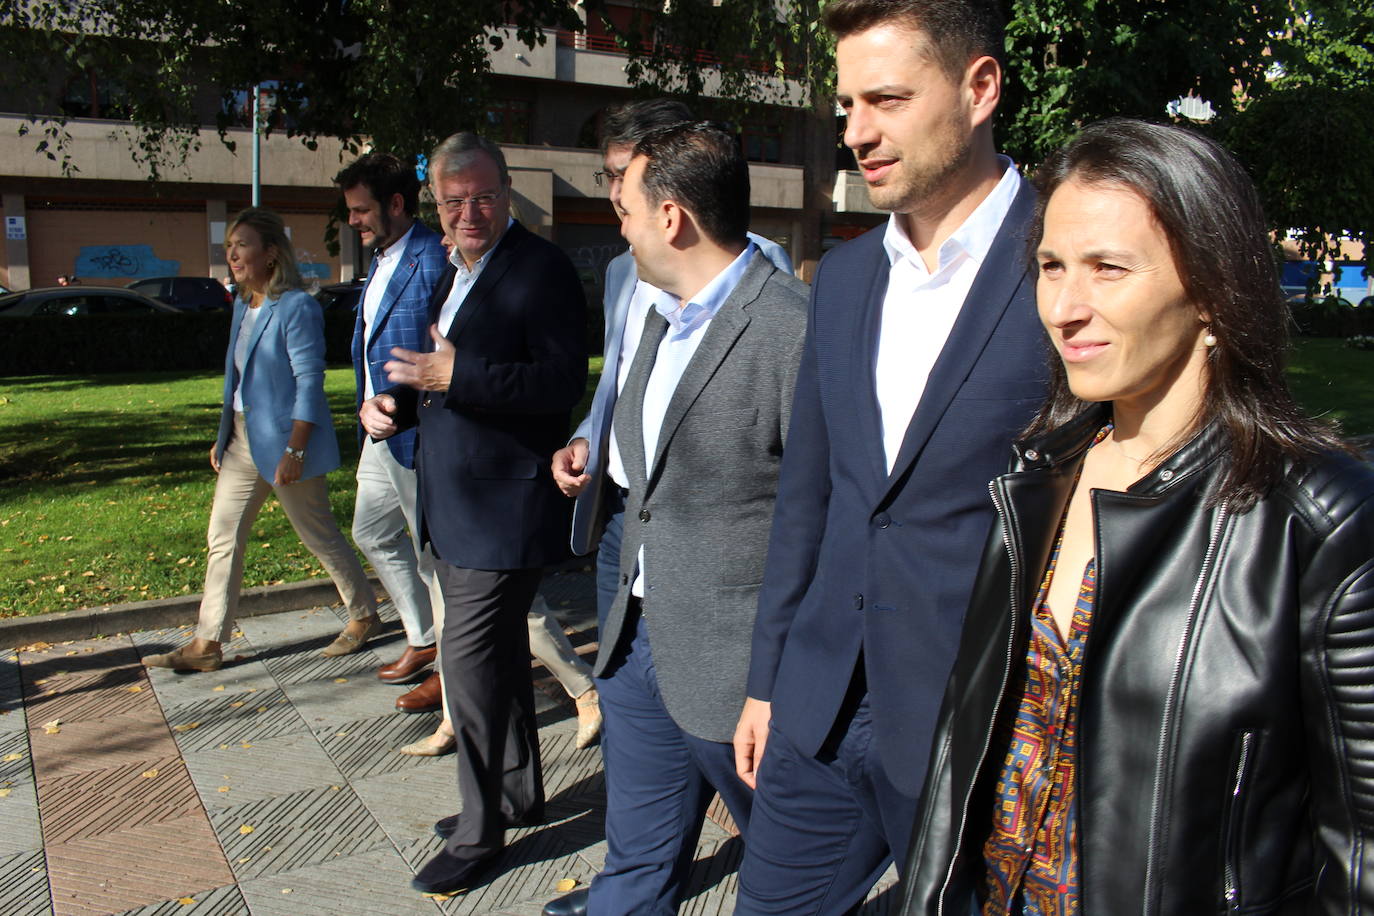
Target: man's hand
{"type": "Point", "coordinates": [751, 736]}
{"type": "Point", "coordinates": [214, 459]}
{"type": "Point", "coordinates": [423, 371]}
{"type": "Point", "coordinates": [568, 464]}
{"type": "Point", "coordinates": [378, 416]}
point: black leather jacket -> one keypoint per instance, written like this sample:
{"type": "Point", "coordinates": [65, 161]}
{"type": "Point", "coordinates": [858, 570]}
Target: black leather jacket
{"type": "Point", "coordinates": [1226, 732]}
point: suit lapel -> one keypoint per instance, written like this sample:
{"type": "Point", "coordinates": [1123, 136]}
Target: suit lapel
{"type": "Point", "coordinates": [401, 276]}
{"type": "Point", "coordinates": [725, 328]}
{"type": "Point", "coordinates": [863, 341]}
{"type": "Point", "coordinates": [629, 413]}
{"type": "Point", "coordinates": [501, 259]}
{"type": "Point", "coordinates": [268, 307]}
{"type": "Point", "coordinates": [993, 289]}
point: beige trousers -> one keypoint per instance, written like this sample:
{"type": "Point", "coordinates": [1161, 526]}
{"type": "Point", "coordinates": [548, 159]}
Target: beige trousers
{"type": "Point", "coordinates": [240, 492]}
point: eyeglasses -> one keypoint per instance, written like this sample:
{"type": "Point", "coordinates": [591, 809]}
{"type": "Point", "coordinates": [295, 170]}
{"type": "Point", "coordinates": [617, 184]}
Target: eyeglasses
{"type": "Point", "coordinates": [607, 176]}
{"type": "Point", "coordinates": [483, 202]}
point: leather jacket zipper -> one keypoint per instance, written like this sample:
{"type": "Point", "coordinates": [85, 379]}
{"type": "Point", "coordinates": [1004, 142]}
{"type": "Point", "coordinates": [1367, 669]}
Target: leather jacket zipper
{"type": "Point", "coordinates": [1001, 692]}
{"type": "Point", "coordinates": [1157, 801]}
{"type": "Point", "coordinates": [1231, 878]}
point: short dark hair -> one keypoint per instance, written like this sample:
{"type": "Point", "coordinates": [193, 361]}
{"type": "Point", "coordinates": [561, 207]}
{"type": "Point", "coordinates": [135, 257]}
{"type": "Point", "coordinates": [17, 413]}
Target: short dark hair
{"type": "Point", "coordinates": [456, 152]}
{"type": "Point", "coordinates": [383, 175]}
{"type": "Point", "coordinates": [959, 30]}
{"type": "Point", "coordinates": [626, 125]}
{"type": "Point", "coordinates": [699, 164]}
{"type": "Point", "coordinates": [1209, 211]}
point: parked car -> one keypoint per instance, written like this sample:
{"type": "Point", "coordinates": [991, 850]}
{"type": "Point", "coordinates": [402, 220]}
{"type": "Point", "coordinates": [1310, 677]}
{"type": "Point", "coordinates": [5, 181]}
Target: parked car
{"type": "Point", "coordinates": [80, 300]}
{"type": "Point", "coordinates": [190, 294]}
{"type": "Point", "coordinates": [340, 296]}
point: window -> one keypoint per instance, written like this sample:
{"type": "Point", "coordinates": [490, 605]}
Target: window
{"type": "Point", "coordinates": [90, 95]}
{"type": "Point", "coordinates": [762, 142]}
{"type": "Point", "coordinates": [508, 121]}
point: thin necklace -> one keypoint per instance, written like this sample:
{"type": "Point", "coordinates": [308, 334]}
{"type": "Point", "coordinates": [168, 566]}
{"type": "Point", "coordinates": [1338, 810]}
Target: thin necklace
{"type": "Point", "coordinates": [1122, 450]}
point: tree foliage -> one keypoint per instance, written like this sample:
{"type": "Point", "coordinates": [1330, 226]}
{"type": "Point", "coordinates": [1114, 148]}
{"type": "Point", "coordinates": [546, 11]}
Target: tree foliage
{"type": "Point", "coordinates": [402, 75]}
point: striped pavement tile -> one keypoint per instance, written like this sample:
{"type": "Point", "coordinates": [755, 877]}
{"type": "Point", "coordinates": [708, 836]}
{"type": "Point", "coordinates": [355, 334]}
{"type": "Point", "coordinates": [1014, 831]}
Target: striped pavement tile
{"type": "Point", "coordinates": [89, 695]}
{"type": "Point", "coordinates": [219, 901]}
{"type": "Point", "coordinates": [289, 832]}
{"type": "Point", "coordinates": [65, 748]}
{"type": "Point", "coordinates": [231, 774]}
{"type": "Point", "coordinates": [367, 747]}
{"type": "Point", "coordinates": [368, 884]}
{"type": "Point", "coordinates": [406, 804]}
{"type": "Point", "coordinates": [125, 869]}
{"type": "Point", "coordinates": [94, 802]}
{"type": "Point", "coordinates": [299, 667]}
{"type": "Point", "coordinates": [24, 884]}
{"type": "Point", "coordinates": [242, 718]}
{"type": "Point", "coordinates": [21, 830]}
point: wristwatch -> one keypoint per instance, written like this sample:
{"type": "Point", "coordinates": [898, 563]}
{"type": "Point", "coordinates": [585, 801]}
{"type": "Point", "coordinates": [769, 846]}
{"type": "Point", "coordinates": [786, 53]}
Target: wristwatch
{"type": "Point", "coordinates": [297, 453]}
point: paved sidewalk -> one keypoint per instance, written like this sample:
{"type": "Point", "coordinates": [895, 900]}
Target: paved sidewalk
{"type": "Point", "coordinates": [272, 787]}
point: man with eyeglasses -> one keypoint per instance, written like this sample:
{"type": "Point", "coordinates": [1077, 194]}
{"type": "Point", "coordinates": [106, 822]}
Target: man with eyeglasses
{"type": "Point", "coordinates": [491, 400]}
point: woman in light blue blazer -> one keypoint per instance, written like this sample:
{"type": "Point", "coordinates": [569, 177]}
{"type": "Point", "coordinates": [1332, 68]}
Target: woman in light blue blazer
{"type": "Point", "coordinates": [275, 434]}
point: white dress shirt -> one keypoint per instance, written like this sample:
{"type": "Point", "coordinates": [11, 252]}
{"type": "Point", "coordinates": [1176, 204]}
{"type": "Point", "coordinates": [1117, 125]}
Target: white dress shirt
{"type": "Point", "coordinates": [250, 320]}
{"type": "Point", "coordinates": [385, 266]}
{"type": "Point", "coordinates": [463, 281]}
{"type": "Point", "coordinates": [686, 327]}
{"type": "Point", "coordinates": [641, 300]}
{"type": "Point", "coordinates": [920, 307]}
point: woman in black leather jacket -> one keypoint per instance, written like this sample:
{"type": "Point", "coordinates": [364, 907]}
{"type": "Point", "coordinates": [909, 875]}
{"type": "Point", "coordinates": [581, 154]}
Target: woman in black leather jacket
{"type": "Point", "coordinates": [1164, 697]}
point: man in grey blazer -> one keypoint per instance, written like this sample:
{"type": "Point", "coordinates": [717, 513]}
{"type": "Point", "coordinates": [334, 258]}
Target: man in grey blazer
{"type": "Point", "coordinates": [699, 427]}
{"type": "Point", "coordinates": [580, 469]}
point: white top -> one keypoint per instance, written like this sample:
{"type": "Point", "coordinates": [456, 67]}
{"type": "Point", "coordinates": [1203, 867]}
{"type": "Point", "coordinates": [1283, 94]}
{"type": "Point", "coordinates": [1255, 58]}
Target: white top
{"type": "Point", "coordinates": [375, 292]}
{"type": "Point", "coordinates": [686, 327]}
{"type": "Point", "coordinates": [250, 321]}
{"type": "Point", "coordinates": [463, 281]}
{"type": "Point", "coordinates": [920, 307]}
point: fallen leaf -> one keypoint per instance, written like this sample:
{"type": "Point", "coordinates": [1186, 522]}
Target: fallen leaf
{"type": "Point", "coordinates": [286, 890]}
{"type": "Point", "coordinates": [5, 793]}
{"type": "Point", "coordinates": [224, 747]}
{"type": "Point", "coordinates": [246, 829]}
{"type": "Point", "coordinates": [565, 885]}
{"type": "Point", "coordinates": [8, 757]}
{"type": "Point", "coordinates": [245, 859]}
{"type": "Point", "coordinates": [245, 745]}
{"type": "Point", "coordinates": [341, 734]}
{"type": "Point", "coordinates": [447, 896]}
{"type": "Point", "coordinates": [341, 680]}
{"type": "Point", "coordinates": [218, 689]}
{"type": "Point", "coordinates": [186, 901]}
{"type": "Point", "coordinates": [236, 704]}
{"type": "Point", "coordinates": [186, 727]}
{"type": "Point", "coordinates": [262, 709]}
{"type": "Point", "coordinates": [52, 727]}
{"type": "Point", "coordinates": [224, 788]}
{"type": "Point", "coordinates": [136, 688]}
{"type": "Point", "coordinates": [149, 774]}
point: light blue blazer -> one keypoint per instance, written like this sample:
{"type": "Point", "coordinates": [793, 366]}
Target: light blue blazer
{"type": "Point", "coordinates": [621, 277]}
{"type": "Point", "coordinates": [283, 381]}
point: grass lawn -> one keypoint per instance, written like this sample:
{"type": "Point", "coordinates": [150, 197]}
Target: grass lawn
{"type": "Point", "coordinates": [105, 489]}
{"type": "Point", "coordinates": [105, 483]}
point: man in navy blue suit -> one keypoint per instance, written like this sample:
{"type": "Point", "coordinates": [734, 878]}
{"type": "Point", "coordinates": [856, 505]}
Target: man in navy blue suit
{"type": "Point", "coordinates": [382, 195]}
{"type": "Point", "coordinates": [491, 398]}
{"type": "Point", "coordinates": [923, 359]}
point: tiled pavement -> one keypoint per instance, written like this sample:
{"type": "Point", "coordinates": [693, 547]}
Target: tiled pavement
{"type": "Point", "coordinates": [272, 787]}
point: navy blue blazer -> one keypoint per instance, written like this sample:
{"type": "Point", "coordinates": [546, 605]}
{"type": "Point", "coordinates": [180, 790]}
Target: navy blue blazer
{"type": "Point", "coordinates": [402, 320]}
{"type": "Point", "coordinates": [867, 566]}
{"type": "Point", "coordinates": [487, 496]}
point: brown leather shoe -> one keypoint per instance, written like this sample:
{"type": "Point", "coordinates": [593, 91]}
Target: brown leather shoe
{"type": "Point", "coordinates": [409, 667]}
{"type": "Point", "coordinates": [428, 697]}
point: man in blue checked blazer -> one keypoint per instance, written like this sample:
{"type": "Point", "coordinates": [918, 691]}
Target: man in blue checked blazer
{"type": "Point", "coordinates": [382, 196]}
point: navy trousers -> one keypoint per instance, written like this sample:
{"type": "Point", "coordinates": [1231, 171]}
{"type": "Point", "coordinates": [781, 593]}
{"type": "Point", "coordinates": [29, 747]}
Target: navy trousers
{"type": "Point", "coordinates": [824, 828]}
{"type": "Point", "coordinates": [659, 782]}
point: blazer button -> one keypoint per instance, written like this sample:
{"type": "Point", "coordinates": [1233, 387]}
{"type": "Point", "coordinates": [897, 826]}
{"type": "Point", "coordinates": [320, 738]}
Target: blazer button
{"type": "Point", "coordinates": [426, 401]}
{"type": "Point", "coordinates": [624, 580]}
{"type": "Point", "coordinates": [858, 602]}
{"type": "Point", "coordinates": [882, 520]}
{"type": "Point", "coordinates": [644, 515]}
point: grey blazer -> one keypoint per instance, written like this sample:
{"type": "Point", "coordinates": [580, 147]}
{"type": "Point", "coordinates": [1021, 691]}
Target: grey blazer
{"type": "Point", "coordinates": [704, 510]}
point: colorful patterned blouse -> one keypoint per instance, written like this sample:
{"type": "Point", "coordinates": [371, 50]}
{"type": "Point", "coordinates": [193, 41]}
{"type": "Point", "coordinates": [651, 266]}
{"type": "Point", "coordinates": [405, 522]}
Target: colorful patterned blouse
{"type": "Point", "coordinates": [1032, 850]}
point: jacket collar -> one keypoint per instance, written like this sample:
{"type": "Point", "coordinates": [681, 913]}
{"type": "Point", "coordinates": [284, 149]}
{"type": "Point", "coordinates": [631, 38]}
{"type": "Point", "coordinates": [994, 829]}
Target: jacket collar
{"type": "Point", "coordinates": [1068, 443]}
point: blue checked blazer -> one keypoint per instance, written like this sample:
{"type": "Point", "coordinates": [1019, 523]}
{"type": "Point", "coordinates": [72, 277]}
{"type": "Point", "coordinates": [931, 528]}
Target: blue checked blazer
{"type": "Point", "coordinates": [402, 321]}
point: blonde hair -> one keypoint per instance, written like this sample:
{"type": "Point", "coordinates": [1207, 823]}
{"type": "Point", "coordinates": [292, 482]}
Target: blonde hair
{"type": "Point", "coordinates": [272, 231]}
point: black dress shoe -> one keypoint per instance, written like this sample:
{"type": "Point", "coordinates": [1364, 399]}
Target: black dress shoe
{"type": "Point", "coordinates": [448, 872]}
{"type": "Point", "coordinates": [445, 826]}
{"type": "Point", "coordinates": [574, 904]}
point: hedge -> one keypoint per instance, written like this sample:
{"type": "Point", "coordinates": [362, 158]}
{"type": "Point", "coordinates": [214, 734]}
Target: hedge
{"type": "Point", "coordinates": [57, 344]}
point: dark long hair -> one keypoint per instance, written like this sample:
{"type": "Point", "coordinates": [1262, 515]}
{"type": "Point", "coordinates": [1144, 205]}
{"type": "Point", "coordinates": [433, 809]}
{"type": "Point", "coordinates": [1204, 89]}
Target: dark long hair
{"type": "Point", "coordinates": [1209, 211]}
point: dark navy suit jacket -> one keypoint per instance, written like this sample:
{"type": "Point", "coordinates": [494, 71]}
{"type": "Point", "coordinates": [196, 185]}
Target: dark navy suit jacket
{"type": "Point", "coordinates": [487, 496]}
{"type": "Point", "coordinates": [867, 566]}
{"type": "Point", "coordinates": [402, 320]}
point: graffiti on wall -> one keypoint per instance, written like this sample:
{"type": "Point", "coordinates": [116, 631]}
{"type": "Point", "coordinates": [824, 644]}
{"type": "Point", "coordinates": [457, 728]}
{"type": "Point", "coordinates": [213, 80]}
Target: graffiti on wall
{"type": "Point", "coordinates": [122, 262]}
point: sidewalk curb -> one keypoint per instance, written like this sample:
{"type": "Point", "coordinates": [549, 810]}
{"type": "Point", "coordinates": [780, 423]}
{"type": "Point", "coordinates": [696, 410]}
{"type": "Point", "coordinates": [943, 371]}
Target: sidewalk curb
{"type": "Point", "coordinates": [91, 622]}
